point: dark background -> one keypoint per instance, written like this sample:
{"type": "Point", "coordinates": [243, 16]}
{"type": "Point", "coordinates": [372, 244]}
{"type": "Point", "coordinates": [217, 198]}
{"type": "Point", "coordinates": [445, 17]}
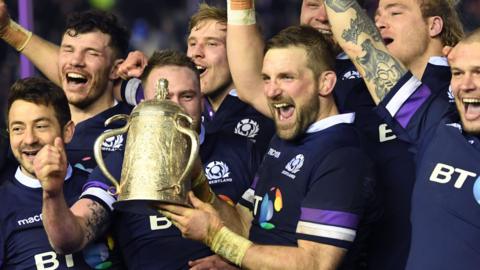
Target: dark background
{"type": "Point", "coordinates": [160, 24]}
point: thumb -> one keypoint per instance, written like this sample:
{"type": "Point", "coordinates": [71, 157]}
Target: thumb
{"type": "Point", "coordinates": [58, 143]}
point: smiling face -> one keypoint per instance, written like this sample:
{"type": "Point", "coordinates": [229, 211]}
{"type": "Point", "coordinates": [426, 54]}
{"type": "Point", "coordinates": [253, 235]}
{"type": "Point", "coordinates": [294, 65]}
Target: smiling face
{"type": "Point", "coordinates": [85, 63]}
{"type": "Point", "coordinates": [313, 13]}
{"type": "Point", "coordinates": [403, 29]}
{"type": "Point", "coordinates": [291, 90]}
{"type": "Point", "coordinates": [31, 126]}
{"type": "Point", "coordinates": [183, 89]}
{"type": "Point", "coordinates": [464, 61]}
{"type": "Point", "coordinates": [207, 48]}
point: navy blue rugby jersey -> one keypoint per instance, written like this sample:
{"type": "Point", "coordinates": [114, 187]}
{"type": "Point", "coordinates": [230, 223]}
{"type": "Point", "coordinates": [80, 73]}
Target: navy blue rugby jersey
{"type": "Point", "coordinates": [150, 241]}
{"type": "Point", "coordinates": [233, 116]}
{"type": "Point", "coordinates": [446, 197]}
{"type": "Point", "coordinates": [23, 240]}
{"type": "Point", "coordinates": [237, 117]}
{"type": "Point", "coordinates": [390, 236]}
{"type": "Point", "coordinates": [80, 149]}
{"type": "Point", "coordinates": [311, 188]}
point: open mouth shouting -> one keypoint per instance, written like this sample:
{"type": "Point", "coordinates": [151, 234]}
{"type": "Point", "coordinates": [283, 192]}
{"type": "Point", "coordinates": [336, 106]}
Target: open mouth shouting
{"type": "Point", "coordinates": [76, 79]}
{"type": "Point", "coordinates": [283, 111]}
{"type": "Point", "coordinates": [472, 108]}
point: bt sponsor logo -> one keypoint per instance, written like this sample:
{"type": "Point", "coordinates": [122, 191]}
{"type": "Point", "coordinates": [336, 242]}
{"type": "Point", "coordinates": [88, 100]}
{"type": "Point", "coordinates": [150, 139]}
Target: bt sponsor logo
{"type": "Point", "coordinates": [268, 207]}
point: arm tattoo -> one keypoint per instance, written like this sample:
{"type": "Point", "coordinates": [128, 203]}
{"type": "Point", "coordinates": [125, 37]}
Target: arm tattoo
{"type": "Point", "coordinates": [381, 69]}
{"type": "Point", "coordinates": [97, 221]}
{"type": "Point", "coordinates": [359, 26]}
{"type": "Point", "coordinates": [340, 6]}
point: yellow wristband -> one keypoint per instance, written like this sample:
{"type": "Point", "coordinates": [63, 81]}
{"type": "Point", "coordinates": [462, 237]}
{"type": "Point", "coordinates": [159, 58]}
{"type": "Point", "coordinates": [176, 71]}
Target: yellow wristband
{"type": "Point", "coordinates": [230, 245]}
{"type": "Point", "coordinates": [241, 12]}
{"type": "Point", "coordinates": [15, 35]}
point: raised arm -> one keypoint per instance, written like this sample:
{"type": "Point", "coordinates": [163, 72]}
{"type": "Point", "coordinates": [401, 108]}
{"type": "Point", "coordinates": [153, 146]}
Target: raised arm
{"type": "Point", "coordinates": [357, 35]}
{"type": "Point", "coordinates": [42, 53]}
{"type": "Point", "coordinates": [245, 54]}
{"type": "Point", "coordinates": [68, 230]}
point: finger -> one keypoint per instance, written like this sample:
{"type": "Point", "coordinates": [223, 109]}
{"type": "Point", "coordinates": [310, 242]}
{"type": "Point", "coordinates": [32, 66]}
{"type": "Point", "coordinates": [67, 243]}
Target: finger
{"type": "Point", "coordinates": [174, 209]}
{"type": "Point", "coordinates": [196, 202]}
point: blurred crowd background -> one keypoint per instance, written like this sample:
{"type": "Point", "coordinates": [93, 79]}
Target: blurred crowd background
{"type": "Point", "coordinates": [161, 24]}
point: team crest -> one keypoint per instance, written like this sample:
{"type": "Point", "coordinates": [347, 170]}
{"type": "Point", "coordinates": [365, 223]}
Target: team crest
{"type": "Point", "coordinates": [352, 74]}
{"type": "Point", "coordinates": [217, 172]}
{"type": "Point", "coordinates": [248, 128]}
{"type": "Point", "coordinates": [113, 143]}
{"type": "Point", "coordinates": [293, 166]}
{"type": "Point", "coordinates": [451, 97]}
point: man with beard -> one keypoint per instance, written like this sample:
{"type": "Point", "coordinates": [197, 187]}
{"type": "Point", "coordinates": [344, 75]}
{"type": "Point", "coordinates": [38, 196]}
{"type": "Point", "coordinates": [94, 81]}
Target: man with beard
{"type": "Point", "coordinates": [85, 66]}
{"type": "Point", "coordinates": [309, 196]}
{"type": "Point", "coordinates": [39, 122]}
{"type": "Point", "coordinates": [415, 32]}
{"type": "Point", "coordinates": [148, 240]}
{"type": "Point", "coordinates": [445, 213]}
{"type": "Point", "coordinates": [223, 111]}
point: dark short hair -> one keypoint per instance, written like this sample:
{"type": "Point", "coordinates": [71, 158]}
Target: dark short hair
{"type": "Point", "coordinates": [41, 92]}
{"type": "Point", "coordinates": [319, 49]}
{"type": "Point", "coordinates": [169, 58]}
{"type": "Point", "coordinates": [105, 22]}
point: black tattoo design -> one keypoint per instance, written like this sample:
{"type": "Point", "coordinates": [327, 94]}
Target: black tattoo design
{"type": "Point", "coordinates": [97, 222]}
{"type": "Point", "coordinates": [381, 69]}
{"type": "Point", "coordinates": [340, 6]}
{"type": "Point", "coordinates": [358, 26]}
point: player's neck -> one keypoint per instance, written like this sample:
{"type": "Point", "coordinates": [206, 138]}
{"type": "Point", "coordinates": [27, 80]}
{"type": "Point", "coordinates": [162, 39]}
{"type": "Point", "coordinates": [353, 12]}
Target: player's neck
{"type": "Point", "coordinates": [218, 96]}
{"type": "Point", "coordinates": [418, 65]}
{"type": "Point", "coordinates": [103, 103]}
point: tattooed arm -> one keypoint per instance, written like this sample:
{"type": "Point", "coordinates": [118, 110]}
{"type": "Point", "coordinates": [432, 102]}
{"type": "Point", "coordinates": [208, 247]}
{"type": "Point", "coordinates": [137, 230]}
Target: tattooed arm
{"type": "Point", "coordinates": [70, 230]}
{"type": "Point", "coordinates": [359, 38]}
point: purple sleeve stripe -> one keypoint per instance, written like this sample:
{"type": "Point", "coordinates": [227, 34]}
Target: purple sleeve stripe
{"type": "Point", "coordinates": [97, 184]}
{"type": "Point", "coordinates": [409, 108]}
{"type": "Point", "coordinates": [254, 182]}
{"type": "Point", "coordinates": [335, 218]}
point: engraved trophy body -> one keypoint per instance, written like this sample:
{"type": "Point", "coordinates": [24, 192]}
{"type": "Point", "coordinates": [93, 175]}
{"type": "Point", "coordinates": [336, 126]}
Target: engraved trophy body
{"type": "Point", "coordinates": [159, 155]}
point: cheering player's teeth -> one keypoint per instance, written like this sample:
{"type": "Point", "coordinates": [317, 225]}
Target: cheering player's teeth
{"type": "Point", "coordinates": [201, 69]}
{"type": "Point", "coordinates": [472, 108]}
{"type": "Point", "coordinates": [284, 110]}
{"type": "Point", "coordinates": [76, 78]}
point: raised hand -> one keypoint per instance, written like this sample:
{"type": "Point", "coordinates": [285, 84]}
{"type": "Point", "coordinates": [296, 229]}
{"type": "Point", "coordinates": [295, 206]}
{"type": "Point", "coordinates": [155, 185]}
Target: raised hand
{"type": "Point", "coordinates": [50, 166]}
{"type": "Point", "coordinates": [133, 66]}
{"type": "Point", "coordinates": [199, 223]}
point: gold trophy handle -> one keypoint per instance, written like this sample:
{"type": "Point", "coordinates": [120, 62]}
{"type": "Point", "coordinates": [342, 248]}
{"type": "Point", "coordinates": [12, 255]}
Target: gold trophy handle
{"type": "Point", "coordinates": [97, 147]}
{"type": "Point", "coordinates": [195, 143]}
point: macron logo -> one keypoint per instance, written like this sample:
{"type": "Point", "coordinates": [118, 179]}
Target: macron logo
{"type": "Point", "coordinates": [30, 220]}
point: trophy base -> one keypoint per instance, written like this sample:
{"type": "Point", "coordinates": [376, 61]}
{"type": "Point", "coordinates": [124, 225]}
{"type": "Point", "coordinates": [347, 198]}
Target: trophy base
{"type": "Point", "coordinates": [143, 207]}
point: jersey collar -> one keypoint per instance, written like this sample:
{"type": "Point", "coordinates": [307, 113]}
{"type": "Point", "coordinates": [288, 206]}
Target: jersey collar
{"type": "Point", "coordinates": [34, 182]}
{"type": "Point", "coordinates": [325, 123]}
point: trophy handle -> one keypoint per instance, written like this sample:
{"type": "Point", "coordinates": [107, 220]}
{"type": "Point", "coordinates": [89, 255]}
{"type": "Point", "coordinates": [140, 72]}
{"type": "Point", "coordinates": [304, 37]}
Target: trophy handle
{"type": "Point", "coordinates": [195, 143]}
{"type": "Point", "coordinates": [97, 147]}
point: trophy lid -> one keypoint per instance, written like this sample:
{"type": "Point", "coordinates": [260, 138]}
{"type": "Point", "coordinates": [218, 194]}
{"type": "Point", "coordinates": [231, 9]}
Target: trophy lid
{"type": "Point", "coordinates": [160, 102]}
